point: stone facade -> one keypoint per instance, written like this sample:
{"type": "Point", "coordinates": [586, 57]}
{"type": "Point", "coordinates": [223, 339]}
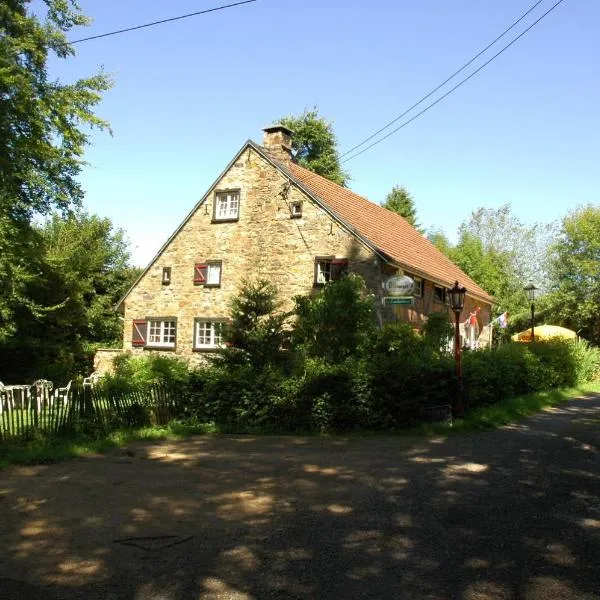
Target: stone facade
{"type": "Point", "coordinates": [265, 241]}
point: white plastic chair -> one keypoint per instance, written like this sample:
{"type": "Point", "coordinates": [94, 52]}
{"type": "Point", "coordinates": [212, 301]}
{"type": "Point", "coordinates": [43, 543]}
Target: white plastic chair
{"type": "Point", "coordinates": [63, 392]}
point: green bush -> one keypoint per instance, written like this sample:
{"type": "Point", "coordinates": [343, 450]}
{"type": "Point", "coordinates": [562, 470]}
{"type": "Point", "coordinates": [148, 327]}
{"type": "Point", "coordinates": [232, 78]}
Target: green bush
{"type": "Point", "coordinates": [141, 371]}
{"type": "Point", "coordinates": [407, 372]}
{"type": "Point", "coordinates": [587, 359]}
{"type": "Point", "coordinates": [337, 322]}
{"type": "Point", "coordinates": [513, 369]}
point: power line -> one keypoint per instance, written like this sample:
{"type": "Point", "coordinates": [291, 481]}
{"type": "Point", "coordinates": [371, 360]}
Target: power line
{"type": "Point", "coordinates": [194, 14]}
{"type": "Point", "coordinates": [429, 106]}
{"type": "Point", "coordinates": [471, 61]}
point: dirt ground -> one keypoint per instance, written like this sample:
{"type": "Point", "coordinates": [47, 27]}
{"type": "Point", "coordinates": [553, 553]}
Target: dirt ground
{"type": "Point", "coordinates": [509, 514]}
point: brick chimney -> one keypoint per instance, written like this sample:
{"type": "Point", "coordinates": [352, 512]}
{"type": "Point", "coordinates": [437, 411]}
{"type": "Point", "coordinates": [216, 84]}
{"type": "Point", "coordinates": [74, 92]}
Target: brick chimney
{"type": "Point", "coordinates": [277, 140]}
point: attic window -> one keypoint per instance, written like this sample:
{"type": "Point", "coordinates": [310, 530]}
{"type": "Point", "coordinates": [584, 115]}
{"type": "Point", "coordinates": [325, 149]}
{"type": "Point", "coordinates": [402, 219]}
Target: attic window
{"type": "Point", "coordinates": [295, 209]}
{"type": "Point", "coordinates": [227, 206]}
{"type": "Point", "coordinates": [166, 275]}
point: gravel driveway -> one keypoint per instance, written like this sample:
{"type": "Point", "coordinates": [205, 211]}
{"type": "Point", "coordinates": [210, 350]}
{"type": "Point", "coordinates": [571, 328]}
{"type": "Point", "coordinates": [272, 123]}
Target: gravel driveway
{"type": "Point", "coordinates": [513, 513]}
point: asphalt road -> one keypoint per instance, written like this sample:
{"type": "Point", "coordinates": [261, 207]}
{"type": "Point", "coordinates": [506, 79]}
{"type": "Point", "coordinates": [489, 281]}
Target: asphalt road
{"type": "Point", "coordinates": [508, 514]}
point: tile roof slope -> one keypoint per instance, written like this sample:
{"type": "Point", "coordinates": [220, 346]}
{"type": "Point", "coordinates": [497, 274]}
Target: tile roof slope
{"type": "Point", "coordinates": [387, 231]}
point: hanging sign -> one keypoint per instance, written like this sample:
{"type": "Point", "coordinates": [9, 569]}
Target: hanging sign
{"type": "Point", "coordinates": [399, 285]}
{"type": "Point", "coordinates": [395, 300]}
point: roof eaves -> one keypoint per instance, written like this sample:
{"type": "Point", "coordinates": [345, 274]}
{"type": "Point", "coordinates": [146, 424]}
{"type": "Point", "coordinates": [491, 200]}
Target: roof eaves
{"type": "Point", "coordinates": [185, 220]}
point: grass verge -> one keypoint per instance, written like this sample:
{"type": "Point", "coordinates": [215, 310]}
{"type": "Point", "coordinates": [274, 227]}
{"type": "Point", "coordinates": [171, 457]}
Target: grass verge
{"type": "Point", "coordinates": [504, 412]}
{"type": "Point", "coordinates": [47, 450]}
{"type": "Point", "coordinates": [41, 450]}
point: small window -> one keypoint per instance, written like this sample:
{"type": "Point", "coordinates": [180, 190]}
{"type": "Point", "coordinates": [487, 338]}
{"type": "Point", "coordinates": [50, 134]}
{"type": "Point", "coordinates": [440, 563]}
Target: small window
{"type": "Point", "coordinates": [295, 209]}
{"type": "Point", "coordinates": [208, 333]}
{"type": "Point", "coordinates": [208, 274]}
{"type": "Point", "coordinates": [227, 206]}
{"type": "Point", "coordinates": [161, 333]}
{"type": "Point", "coordinates": [419, 287]}
{"type": "Point", "coordinates": [330, 269]}
{"type": "Point", "coordinates": [439, 294]}
{"type": "Point", "coordinates": [166, 275]}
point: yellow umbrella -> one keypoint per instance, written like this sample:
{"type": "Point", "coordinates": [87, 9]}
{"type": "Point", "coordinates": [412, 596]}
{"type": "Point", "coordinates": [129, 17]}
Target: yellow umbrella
{"type": "Point", "coordinates": [544, 332]}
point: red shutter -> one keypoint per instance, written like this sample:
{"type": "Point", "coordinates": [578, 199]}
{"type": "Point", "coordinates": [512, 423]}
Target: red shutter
{"type": "Point", "coordinates": [200, 272]}
{"type": "Point", "coordinates": [339, 268]}
{"type": "Point", "coordinates": [138, 337]}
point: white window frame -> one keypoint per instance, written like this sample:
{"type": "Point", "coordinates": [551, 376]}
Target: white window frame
{"type": "Point", "coordinates": [213, 267]}
{"type": "Point", "coordinates": [215, 340]}
{"type": "Point", "coordinates": [162, 330]}
{"type": "Point", "coordinates": [419, 288]}
{"type": "Point", "coordinates": [323, 270]}
{"type": "Point", "coordinates": [227, 205]}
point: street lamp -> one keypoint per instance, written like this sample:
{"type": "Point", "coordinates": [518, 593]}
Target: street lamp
{"type": "Point", "coordinates": [456, 298]}
{"type": "Point", "coordinates": [532, 291]}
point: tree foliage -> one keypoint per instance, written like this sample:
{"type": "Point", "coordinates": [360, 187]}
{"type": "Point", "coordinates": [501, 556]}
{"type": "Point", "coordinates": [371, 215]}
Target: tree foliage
{"type": "Point", "coordinates": [44, 129]}
{"type": "Point", "coordinates": [500, 253]}
{"type": "Point", "coordinates": [92, 258]}
{"type": "Point", "coordinates": [336, 322]}
{"type": "Point", "coordinates": [400, 201]}
{"type": "Point", "coordinates": [314, 145]}
{"type": "Point", "coordinates": [574, 270]}
{"type": "Point", "coordinates": [257, 333]}
{"type": "Point", "coordinates": [42, 122]}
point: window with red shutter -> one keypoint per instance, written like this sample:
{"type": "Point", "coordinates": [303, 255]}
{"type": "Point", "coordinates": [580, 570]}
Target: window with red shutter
{"type": "Point", "coordinates": [140, 328]}
{"type": "Point", "coordinates": [200, 273]}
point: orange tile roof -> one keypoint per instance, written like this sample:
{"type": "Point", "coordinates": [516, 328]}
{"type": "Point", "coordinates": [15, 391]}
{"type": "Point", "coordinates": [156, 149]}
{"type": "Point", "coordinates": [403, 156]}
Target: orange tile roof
{"type": "Point", "coordinates": [387, 231]}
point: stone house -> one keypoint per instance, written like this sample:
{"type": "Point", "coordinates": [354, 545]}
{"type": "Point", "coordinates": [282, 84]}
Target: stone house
{"type": "Point", "coordinates": [265, 216]}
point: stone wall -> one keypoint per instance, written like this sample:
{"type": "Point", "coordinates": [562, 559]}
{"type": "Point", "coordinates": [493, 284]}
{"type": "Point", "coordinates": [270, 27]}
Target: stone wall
{"type": "Point", "coordinates": [103, 359]}
{"type": "Point", "coordinates": [265, 242]}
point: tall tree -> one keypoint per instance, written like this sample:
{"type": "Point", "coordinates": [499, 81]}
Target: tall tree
{"type": "Point", "coordinates": [314, 145]}
{"type": "Point", "coordinates": [41, 121]}
{"type": "Point", "coordinates": [500, 253]}
{"type": "Point", "coordinates": [93, 259]}
{"type": "Point", "coordinates": [43, 127]}
{"type": "Point", "coordinates": [400, 201]}
{"type": "Point", "coordinates": [574, 269]}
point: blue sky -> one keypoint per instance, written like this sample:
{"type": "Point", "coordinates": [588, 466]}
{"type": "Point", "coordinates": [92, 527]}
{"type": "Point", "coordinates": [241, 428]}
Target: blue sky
{"type": "Point", "coordinates": [187, 95]}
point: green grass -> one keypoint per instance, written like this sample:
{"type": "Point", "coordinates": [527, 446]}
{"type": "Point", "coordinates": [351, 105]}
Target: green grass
{"type": "Point", "coordinates": [43, 450]}
{"type": "Point", "coordinates": [504, 412]}
{"type": "Point", "coordinates": [48, 450]}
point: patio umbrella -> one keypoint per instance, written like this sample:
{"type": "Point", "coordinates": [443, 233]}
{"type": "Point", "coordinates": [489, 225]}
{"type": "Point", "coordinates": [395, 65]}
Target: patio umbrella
{"type": "Point", "coordinates": [544, 332]}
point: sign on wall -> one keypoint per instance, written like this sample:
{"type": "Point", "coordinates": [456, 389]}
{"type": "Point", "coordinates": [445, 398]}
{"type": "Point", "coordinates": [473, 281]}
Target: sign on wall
{"type": "Point", "coordinates": [399, 285]}
{"type": "Point", "coordinates": [398, 300]}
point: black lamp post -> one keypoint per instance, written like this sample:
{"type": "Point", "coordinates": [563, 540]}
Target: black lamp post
{"type": "Point", "coordinates": [531, 291]}
{"type": "Point", "coordinates": [456, 298]}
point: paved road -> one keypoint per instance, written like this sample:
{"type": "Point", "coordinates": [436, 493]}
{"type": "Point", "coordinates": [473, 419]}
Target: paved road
{"type": "Point", "coordinates": [509, 514]}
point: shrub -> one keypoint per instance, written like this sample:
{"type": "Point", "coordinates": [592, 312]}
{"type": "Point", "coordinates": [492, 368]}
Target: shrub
{"type": "Point", "coordinates": [587, 359]}
{"type": "Point", "coordinates": [407, 373]}
{"type": "Point", "coordinates": [257, 334]}
{"type": "Point", "coordinates": [145, 370]}
{"type": "Point", "coordinates": [438, 331]}
{"type": "Point", "coordinates": [335, 323]}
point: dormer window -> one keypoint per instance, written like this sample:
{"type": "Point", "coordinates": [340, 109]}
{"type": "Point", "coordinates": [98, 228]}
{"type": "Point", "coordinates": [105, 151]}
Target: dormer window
{"type": "Point", "coordinates": [295, 209]}
{"type": "Point", "coordinates": [166, 275]}
{"type": "Point", "coordinates": [227, 206]}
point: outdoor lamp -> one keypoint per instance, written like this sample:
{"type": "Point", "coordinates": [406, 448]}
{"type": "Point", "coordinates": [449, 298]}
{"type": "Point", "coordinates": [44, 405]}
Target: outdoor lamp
{"type": "Point", "coordinates": [456, 299]}
{"type": "Point", "coordinates": [531, 292]}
